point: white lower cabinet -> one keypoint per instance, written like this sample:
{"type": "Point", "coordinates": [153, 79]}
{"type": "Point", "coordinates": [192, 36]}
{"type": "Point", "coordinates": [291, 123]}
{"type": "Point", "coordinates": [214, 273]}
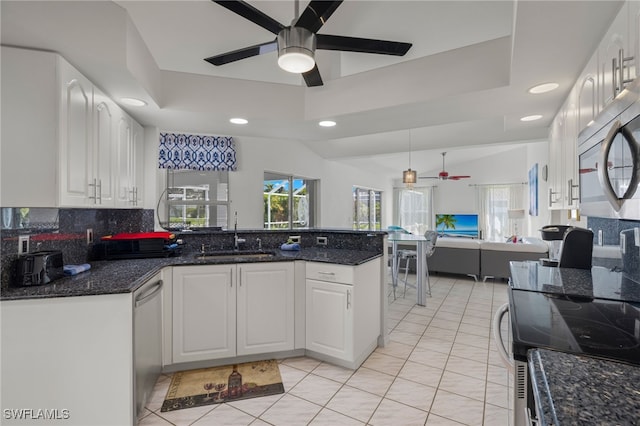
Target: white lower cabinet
{"type": "Point", "coordinates": [330, 318]}
{"type": "Point", "coordinates": [342, 311]}
{"type": "Point", "coordinates": [265, 308]}
{"type": "Point", "coordinates": [222, 311]}
{"type": "Point", "coordinates": [204, 312]}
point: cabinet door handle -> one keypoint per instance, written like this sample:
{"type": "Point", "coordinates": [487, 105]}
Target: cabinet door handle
{"type": "Point", "coordinates": [614, 76]}
{"type": "Point", "coordinates": [571, 187]}
{"type": "Point", "coordinates": [231, 280]}
{"type": "Point", "coordinates": [240, 277]}
{"type": "Point", "coordinates": [99, 192]}
{"type": "Point", "coordinates": [348, 299]}
{"type": "Point", "coordinates": [551, 193]}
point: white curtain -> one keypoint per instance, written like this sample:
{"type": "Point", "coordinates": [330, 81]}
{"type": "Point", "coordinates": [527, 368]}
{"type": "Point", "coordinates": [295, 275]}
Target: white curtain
{"type": "Point", "coordinates": [413, 209]}
{"type": "Point", "coordinates": [495, 201]}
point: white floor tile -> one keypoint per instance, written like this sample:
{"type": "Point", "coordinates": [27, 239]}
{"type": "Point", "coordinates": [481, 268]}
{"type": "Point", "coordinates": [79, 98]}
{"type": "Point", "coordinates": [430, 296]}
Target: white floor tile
{"type": "Point", "coordinates": [371, 381]}
{"type": "Point", "coordinates": [328, 417]}
{"type": "Point", "coordinates": [333, 372]}
{"type": "Point", "coordinates": [291, 411]}
{"type": "Point", "coordinates": [391, 413]}
{"type": "Point", "coordinates": [316, 389]}
{"type": "Point", "coordinates": [410, 393]}
{"type": "Point", "coordinates": [354, 403]}
{"type": "Point", "coordinates": [459, 408]}
{"type": "Point", "coordinates": [225, 415]}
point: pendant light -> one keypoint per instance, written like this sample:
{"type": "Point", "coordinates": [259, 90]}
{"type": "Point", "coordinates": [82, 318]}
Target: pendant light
{"type": "Point", "coordinates": [409, 177]}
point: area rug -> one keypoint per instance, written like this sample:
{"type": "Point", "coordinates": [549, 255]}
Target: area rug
{"type": "Point", "coordinates": [205, 386]}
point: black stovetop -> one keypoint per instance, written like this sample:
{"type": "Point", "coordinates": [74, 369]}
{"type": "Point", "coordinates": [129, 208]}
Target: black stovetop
{"type": "Point", "coordinates": [547, 314]}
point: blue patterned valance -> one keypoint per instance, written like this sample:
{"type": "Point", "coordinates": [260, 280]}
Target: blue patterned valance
{"type": "Point", "coordinates": [196, 152]}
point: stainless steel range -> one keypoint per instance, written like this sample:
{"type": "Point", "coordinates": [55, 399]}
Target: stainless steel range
{"type": "Point", "coordinates": [586, 312]}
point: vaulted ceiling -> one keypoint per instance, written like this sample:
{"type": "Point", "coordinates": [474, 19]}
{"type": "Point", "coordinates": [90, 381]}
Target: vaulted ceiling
{"type": "Point", "coordinates": [462, 84]}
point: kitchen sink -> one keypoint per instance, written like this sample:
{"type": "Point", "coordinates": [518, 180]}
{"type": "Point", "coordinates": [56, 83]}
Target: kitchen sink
{"type": "Point", "coordinates": [240, 254]}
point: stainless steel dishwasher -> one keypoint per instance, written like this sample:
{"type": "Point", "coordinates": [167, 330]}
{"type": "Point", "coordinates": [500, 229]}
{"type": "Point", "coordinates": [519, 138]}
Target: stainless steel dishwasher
{"type": "Point", "coordinates": [147, 339]}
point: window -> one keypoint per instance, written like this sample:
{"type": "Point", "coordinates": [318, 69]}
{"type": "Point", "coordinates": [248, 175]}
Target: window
{"type": "Point", "coordinates": [414, 209]}
{"type": "Point", "coordinates": [495, 203]}
{"type": "Point", "coordinates": [367, 207]}
{"type": "Point", "coordinates": [289, 201]}
{"type": "Point", "coordinates": [197, 199]}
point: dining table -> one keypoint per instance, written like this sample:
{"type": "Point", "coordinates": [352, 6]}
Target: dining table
{"type": "Point", "coordinates": [420, 242]}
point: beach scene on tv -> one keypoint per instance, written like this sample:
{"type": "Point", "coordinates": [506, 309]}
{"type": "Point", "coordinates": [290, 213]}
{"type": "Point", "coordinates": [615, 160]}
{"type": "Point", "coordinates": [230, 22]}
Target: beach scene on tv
{"type": "Point", "coordinates": [457, 225]}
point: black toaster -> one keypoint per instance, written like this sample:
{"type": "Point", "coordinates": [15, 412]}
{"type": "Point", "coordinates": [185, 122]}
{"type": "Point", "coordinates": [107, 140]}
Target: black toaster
{"type": "Point", "coordinates": [40, 267]}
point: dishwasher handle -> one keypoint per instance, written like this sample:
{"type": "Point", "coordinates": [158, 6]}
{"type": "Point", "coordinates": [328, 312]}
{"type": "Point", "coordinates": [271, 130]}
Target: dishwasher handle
{"type": "Point", "coordinates": [497, 337]}
{"type": "Point", "coordinates": [149, 293]}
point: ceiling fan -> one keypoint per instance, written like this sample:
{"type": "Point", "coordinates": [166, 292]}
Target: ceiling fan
{"type": "Point", "coordinates": [444, 175]}
{"type": "Point", "coordinates": [300, 40]}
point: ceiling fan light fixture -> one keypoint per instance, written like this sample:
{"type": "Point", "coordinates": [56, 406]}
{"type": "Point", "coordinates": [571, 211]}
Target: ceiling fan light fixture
{"type": "Point", "coordinates": [296, 50]}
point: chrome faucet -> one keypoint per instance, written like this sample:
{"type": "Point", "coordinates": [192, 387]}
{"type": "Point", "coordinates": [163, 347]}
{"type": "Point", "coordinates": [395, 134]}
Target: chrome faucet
{"type": "Point", "coordinates": [236, 240]}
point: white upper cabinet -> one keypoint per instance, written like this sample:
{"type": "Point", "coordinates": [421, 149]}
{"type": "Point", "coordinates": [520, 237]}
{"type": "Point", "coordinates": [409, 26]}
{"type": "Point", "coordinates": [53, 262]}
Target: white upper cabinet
{"type": "Point", "coordinates": [616, 55]}
{"type": "Point", "coordinates": [587, 94]}
{"type": "Point", "coordinates": [29, 128]}
{"type": "Point", "coordinates": [60, 125]}
{"type": "Point", "coordinates": [78, 185]}
{"type": "Point", "coordinates": [105, 126]}
{"type": "Point", "coordinates": [129, 148]}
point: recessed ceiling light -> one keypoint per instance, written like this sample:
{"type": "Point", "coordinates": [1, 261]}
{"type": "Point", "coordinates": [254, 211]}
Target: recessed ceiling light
{"type": "Point", "coordinates": [531, 117]}
{"type": "Point", "coordinates": [239, 120]}
{"type": "Point", "coordinates": [543, 88]}
{"type": "Point", "coordinates": [327, 123]}
{"type": "Point", "coordinates": [133, 102]}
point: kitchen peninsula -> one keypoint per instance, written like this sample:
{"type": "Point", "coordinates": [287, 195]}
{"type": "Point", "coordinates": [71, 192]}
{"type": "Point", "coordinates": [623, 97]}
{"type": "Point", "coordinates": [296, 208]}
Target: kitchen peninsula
{"type": "Point", "coordinates": [78, 333]}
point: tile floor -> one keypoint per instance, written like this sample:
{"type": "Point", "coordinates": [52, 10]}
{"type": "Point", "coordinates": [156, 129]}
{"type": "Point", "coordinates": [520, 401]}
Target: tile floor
{"type": "Point", "coordinates": [441, 368]}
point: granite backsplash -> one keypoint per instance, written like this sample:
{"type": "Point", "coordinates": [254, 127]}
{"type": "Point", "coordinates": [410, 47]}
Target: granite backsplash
{"type": "Point", "coordinates": [610, 228]}
{"type": "Point", "coordinates": [66, 230]}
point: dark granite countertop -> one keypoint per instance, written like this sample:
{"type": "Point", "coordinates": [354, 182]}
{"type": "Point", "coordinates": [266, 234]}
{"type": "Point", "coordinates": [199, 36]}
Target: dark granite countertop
{"type": "Point", "coordinates": [598, 282]}
{"type": "Point", "coordinates": [581, 390]}
{"type": "Point", "coordinates": [125, 276]}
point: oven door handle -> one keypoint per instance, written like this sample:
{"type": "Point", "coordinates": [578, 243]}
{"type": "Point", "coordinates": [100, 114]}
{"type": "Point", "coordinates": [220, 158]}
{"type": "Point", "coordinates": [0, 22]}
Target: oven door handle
{"type": "Point", "coordinates": [497, 337]}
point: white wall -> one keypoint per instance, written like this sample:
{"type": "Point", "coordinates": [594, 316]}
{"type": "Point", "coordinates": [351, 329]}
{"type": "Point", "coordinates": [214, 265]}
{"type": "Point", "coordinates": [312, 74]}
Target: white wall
{"type": "Point", "coordinates": [493, 167]}
{"type": "Point", "coordinates": [257, 155]}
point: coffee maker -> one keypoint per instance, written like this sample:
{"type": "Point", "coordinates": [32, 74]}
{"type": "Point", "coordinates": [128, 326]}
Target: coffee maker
{"type": "Point", "coordinates": [571, 247]}
{"type": "Point", "coordinates": [554, 234]}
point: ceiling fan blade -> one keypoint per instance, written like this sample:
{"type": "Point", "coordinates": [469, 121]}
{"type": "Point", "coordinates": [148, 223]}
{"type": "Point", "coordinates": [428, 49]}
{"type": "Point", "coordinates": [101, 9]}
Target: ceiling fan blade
{"type": "Point", "coordinates": [458, 177]}
{"type": "Point", "coordinates": [364, 45]}
{"type": "Point", "coordinates": [428, 177]}
{"type": "Point", "coordinates": [312, 77]}
{"type": "Point", "coordinates": [316, 14]}
{"type": "Point", "coordinates": [249, 12]}
{"type": "Point", "coordinates": [243, 53]}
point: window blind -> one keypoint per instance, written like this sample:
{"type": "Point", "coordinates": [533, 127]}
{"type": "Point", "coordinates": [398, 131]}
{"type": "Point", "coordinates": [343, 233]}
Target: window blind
{"type": "Point", "coordinates": [180, 151]}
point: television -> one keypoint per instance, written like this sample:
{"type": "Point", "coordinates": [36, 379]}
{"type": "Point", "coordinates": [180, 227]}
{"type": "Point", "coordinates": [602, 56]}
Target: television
{"type": "Point", "coordinates": [458, 225]}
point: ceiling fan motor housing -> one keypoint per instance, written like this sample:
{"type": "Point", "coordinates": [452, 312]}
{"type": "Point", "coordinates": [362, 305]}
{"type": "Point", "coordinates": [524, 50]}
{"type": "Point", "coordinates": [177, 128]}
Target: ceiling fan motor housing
{"type": "Point", "coordinates": [296, 47]}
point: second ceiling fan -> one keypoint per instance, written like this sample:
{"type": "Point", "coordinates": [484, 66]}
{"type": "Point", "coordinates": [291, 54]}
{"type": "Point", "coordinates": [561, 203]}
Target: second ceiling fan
{"type": "Point", "coordinates": [444, 175]}
{"type": "Point", "coordinates": [300, 40]}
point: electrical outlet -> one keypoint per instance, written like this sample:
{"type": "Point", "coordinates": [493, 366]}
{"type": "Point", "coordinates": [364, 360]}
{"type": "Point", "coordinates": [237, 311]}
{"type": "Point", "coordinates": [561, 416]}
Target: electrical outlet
{"type": "Point", "coordinates": [89, 235]}
{"type": "Point", "coordinates": [295, 238]}
{"type": "Point", "coordinates": [23, 244]}
{"type": "Point", "coordinates": [321, 241]}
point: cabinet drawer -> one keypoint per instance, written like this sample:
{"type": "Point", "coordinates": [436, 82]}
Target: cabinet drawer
{"type": "Point", "coordinates": [330, 272]}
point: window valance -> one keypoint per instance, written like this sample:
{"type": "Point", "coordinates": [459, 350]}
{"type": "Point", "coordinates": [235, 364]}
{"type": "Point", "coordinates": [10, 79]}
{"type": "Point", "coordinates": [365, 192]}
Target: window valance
{"type": "Point", "coordinates": [196, 152]}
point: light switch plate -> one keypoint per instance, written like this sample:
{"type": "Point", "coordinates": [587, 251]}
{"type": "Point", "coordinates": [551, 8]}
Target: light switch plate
{"type": "Point", "coordinates": [295, 238]}
{"type": "Point", "coordinates": [636, 236]}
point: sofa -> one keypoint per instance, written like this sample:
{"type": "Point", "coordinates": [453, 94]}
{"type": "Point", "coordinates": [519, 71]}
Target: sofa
{"type": "Point", "coordinates": [480, 258]}
{"type": "Point", "coordinates": [495, 256]}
